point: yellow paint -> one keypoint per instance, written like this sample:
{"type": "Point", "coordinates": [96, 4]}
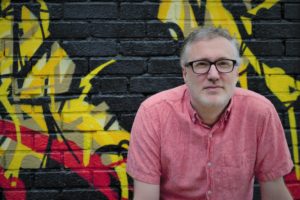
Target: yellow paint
{"type": "Point", "coordinates": [76, 115]}
{"type": "Point", "coordinates": [294, 136]}
{"type": "Point", "coordinates": [267, 4]}
{"type": "Point", "coordinates": [123, 179]}
{"type": "Point", "coordinates": [87, 143]}
{"type": "Point", "coordinates": [247, 24]}
{"type": "Point", "coordinates": [85, 82]}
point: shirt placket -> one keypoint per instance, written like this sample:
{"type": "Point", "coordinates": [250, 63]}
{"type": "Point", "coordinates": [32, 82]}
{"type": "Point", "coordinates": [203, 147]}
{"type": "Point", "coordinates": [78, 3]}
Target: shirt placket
{"type": "Point", "coordinates": [209, 164]}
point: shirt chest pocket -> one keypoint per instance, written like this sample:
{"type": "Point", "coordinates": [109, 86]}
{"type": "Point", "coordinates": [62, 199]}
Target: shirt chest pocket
{"type": "Point", "coordinates": [235, 171]}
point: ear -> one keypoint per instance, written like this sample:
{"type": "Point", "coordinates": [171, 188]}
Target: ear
{"type": "Point", "coordinates": [236, 74]}
{"type": "Point", "coordinates": [184, 73]}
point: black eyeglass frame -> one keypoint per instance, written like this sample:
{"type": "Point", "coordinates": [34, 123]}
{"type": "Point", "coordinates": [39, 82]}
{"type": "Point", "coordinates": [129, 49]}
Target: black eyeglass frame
{"type": "Point", "coordinates": [190, 64]}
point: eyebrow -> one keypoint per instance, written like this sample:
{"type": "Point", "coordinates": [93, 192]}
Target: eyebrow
{"type": "Point", "coordinates": [206, 59]}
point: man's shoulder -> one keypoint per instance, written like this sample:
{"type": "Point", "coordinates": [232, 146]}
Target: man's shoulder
{"type": "Point", "coordinates": [244, 96]}
{"type": "Point", "coordinates": [171, 95]}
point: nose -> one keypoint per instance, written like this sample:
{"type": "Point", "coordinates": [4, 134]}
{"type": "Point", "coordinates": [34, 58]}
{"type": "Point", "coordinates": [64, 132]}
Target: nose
{"type": "Point", "coordinates": [213, 73]}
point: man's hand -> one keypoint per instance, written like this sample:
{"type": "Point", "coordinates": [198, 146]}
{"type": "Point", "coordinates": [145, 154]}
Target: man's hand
{"type": "Point", "coordinates": [145, 191]}
{"type": "Point", "coordinates": [275, 190]}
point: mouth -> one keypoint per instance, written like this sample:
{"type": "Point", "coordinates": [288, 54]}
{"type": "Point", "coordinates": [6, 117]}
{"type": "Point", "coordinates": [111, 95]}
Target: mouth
{"type": "Point", "coordinates": [215, 87]}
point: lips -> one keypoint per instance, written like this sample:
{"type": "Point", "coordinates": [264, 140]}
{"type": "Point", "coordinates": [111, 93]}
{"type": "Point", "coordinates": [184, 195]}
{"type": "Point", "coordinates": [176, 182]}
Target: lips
{"type": "Point", "coordinates": [212, 87]}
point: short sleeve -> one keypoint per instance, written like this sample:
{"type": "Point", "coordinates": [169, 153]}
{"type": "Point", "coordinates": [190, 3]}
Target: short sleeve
{"type": "Point", "coordinates": [273, 156]}
{"type": "Point", "coordinates": [143, 161]}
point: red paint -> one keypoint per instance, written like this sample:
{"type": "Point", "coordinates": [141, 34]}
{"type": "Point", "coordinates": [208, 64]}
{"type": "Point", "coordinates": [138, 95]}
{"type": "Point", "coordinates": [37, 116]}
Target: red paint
{"type": "Point", "coordinates": [38, 143]}
{"type": "Point", "coordinates": [10, 192]}
{"type": "Point", "coordinates": [293, 185]}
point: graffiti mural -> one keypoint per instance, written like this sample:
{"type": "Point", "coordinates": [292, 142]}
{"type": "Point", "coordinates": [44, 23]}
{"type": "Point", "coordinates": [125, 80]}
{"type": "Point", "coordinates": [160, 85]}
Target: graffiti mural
{"type": "Point", "coordinates": [187, 15]}
{"type": "Point", "coordinates": [38, 128]}
{"type": "Point", "coordinates": [50, 127]}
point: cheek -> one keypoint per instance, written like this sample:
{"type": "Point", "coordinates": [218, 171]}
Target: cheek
{"type": "Point", "coordinates": [232, 79]}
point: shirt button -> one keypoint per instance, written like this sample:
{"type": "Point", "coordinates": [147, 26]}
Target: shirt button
{"type": "Point", "coordinates": [209, 192]}
{"type": "Point", "coordinates": [209, 164]}
{"type": "Point", "coordinates": [210, 135]}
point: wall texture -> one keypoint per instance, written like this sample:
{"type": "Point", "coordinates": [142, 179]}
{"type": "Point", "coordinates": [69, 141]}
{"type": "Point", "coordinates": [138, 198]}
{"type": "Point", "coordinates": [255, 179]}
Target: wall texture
{"type": "Point", "coordinates": [73, 73]}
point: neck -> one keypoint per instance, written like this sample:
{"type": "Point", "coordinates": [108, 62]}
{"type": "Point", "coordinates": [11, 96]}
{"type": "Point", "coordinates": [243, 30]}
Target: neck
{"type": "Point", "coordinates": [209, 114]}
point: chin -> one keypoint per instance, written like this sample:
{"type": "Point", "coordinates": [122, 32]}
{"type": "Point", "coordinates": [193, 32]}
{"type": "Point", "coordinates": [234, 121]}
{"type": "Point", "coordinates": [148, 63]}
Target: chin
{"type": "Point", "coordinates": [219, 101]}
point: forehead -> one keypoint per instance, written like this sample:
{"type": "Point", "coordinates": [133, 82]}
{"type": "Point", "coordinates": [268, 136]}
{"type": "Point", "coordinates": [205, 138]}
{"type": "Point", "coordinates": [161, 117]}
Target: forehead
{"type": "Point", "coordinates": [211, 48]}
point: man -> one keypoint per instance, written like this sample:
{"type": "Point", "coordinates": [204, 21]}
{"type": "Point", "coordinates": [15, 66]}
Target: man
{"type": "Point", "coordinates": [208, 139]}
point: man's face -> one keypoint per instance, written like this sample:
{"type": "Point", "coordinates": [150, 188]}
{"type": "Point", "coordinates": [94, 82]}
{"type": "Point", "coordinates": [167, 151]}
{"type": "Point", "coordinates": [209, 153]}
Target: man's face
{"type": "Point", "coordinates": [213, 89]}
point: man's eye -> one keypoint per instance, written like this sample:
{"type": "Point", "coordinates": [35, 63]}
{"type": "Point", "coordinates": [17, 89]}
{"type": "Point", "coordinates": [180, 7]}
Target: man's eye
{"type": "Point", "coordinates": [223, 63]}
{"type": "Point", "coordinates": [201, 64]}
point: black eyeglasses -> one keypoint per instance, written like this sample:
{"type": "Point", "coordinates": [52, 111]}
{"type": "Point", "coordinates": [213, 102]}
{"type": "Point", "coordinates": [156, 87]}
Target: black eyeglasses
{"type": "Point", "coordinates": [203, 66]}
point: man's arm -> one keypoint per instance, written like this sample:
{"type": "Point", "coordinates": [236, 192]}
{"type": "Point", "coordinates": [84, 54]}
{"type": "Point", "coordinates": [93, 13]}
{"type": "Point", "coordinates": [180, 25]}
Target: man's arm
{"type": "Point", "coordinates": [145, 191]}
{"type": "Point", "coordinates": [274, 190]}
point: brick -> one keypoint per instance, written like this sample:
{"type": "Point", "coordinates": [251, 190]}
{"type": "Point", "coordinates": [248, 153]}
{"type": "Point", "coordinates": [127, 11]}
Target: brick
{"type": "Point", "coordinates": [90, 48]}
{"type": "Point", "coordinates": [27, 176]}
{"type": "Point", "coordinates": [105, 179]}
{"type": "Point", "coordinates": [126, 121]}
{"type": "Point", "coordinates": [288, 132]}
{"type": "Point", "coordinates": [138, 11]}
{"type": "Point", "coordinates": [73, 88]}
{"type": "Point", "coordinates": [27, 140]}
{"type": "Point", "coordinates": [70, 121]}
{"type": "Point", "coordinates": [14, 194]}
{"type": "Point", "coordinates": [112, 85]}
{"type": "Point", "coordinates": [290, 1]}
{"type": "Point", "coordinates": [277, 30]}
{"type": "Point", "coordinates": [291, 11]}
{"type": "Point", "coordinates": [153, 84]}
{"type": "Point", "coordinates": [90, 11]}
{"type": "Point", "coordinates": [164, 66]}
{"type": "Point", "coordinates": [37, 49]}
{"type": "Point", "coordinates": [148, 48]}
{"type": "Point", "coordinates": [278, 86]}
{"type": "Point", "coordinates": [84, 194]}
{"type": "Point", "coordinates": [73, 180]}
{"type": "Point", "coordinates": [65, 66]}
{"type": "Point", "coordinates": [286, 120]}
{"type": "Point", "coordinates": [41, 142]}
{"type": "Point", "coordinates": [276, 102]}
{"type": "Point", "coordinates": [288, 65]}
{"type": "Point", "coordinates": [74, 30]}
{"type": "Point", "coordinates": [272, 13]}
{"type": "Point", "coordinates": [55, 11]}
{"type": "Point", "coordinates": [81, 66]}
{"type": "Point", "coordinates": [20, 106]}
{"type": "Point", "coordinates": [161, 30]}
{"type": "Point", "coordinates": [238, 9]}
{"type": "Point", "coordinates": [266, 47]}
{"type": "Point", "coordinates": [41, 194]}
{"type": "Point", "coordinates": [292, 48]}
{"type": "Point", "coordinates": [258, 84]}
{"type": "Point", "coordinates": [133, 0]}
{"type": "Point", "coordinates": [292, 149]}
{"type": "Point", "coordinates": [66, 1]}
{"type": "Point", "coordinates": [49, 179]}
{"type": "Point", "coordinates": [294, 189]}
{"type": "Point", "coordinates": [118, 29]}
{"type": "Point", "coordinates": [118, 103]}
{"type": "Point", "coordinates": [130, 66]}
{"type": "Point", "coordinates": [54, 159]}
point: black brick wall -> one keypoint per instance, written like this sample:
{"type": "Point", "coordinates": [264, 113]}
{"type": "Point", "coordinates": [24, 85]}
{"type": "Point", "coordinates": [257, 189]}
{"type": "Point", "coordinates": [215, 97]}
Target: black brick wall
{"type": "Point", "coordinates": [93, 32]}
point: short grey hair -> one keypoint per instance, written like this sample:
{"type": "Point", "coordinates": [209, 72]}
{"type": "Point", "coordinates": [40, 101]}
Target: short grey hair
{"type": "Point", "coordinates": [208, 33]}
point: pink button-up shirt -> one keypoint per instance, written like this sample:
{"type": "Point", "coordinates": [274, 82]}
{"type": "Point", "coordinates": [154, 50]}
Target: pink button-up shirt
{"type": "Point", "coordinates": [170, 146]}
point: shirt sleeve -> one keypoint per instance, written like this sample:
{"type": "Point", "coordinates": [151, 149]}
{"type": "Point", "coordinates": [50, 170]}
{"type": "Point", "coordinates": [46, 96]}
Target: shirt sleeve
{"type": "Point", "coordinates": [273, 156]}
{"type": "Point", "coordinates": [143, 161]}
